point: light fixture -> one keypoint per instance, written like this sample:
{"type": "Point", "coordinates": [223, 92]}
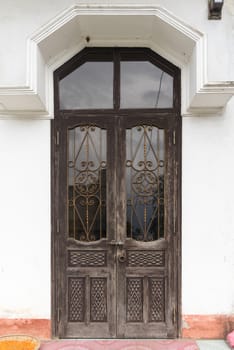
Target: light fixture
{"type": "Point", "coordinates": [215, 9]}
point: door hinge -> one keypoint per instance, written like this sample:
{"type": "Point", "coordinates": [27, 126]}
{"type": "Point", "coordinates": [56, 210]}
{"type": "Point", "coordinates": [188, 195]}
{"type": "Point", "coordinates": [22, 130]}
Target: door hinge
{"type": "Point", "coordinates": [57, 226]}
{"type": "Point", "coordinates": [57, 138]}
{"type": "Point", "coordinates": [174, 315]}
{"type": "Point", "coordinates": [58, 315]}
{"type": "Point", "coordinates": [174, 226]}
{"type": "Point", "coordinates": [174, 137]}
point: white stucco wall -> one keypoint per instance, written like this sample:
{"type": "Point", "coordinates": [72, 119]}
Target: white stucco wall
{"type": "Point", "coordinates": [207, 214]}
{"type": "Point", "coordinates": [25, 219]}
{"type": "Point", "coordinates": [207, 175]}
{"type": "Point", "coordinates": [19, 19]}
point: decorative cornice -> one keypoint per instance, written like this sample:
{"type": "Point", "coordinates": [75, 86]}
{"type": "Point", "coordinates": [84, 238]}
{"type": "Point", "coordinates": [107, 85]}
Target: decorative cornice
{"type": "Point", "coordinates": [28, 100]}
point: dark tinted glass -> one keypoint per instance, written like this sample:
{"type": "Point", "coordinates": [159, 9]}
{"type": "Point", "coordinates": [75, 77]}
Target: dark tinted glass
{"type": "Point", "coordinates": [143, 85]}
{"type": "Point", "coordinates": [88, 87]}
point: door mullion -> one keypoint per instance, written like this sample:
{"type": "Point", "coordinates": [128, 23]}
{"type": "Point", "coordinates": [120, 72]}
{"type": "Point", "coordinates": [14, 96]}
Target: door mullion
{"type": "Point", "coordinates": [116, 90]}
{"type": "Point", "coordinates": [120, 184]}
{"type": "Point", "coordinates": [111, 221]}
{"type": "Point", "coordinates": [114, 182]}
{"type": "Point", "coordinates": [121, 227]}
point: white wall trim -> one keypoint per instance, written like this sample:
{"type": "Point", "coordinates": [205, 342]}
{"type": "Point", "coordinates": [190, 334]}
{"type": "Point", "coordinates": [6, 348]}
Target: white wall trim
{"type": "Point", "coordinates": [45, 53]}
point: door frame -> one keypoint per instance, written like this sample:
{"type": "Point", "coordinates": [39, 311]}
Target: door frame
{"type": "Point", "coordinates": [55, 125]}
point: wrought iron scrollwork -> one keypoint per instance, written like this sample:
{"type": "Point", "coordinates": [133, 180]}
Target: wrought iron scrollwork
{"type": "Point", "coordinates": [145, 182]}
{"type": "Point", "coordinates": [87, 183]}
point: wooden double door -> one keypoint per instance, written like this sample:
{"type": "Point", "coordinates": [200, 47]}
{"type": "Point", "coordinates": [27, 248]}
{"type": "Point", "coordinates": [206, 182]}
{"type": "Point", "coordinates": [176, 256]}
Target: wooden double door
{"type": "Point", "coordinates": [116, 244]}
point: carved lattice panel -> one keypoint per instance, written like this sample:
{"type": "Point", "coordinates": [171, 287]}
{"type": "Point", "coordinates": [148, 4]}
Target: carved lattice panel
{"type": "Point", "coordinates": [145, 182]}
{"type": "Point", "coordinates": [76, 306]}
{"type": "Point", "coordinates": [86, 258]}
{"type": "Point", "coordinates": [134, 299]}
{"type": "Point", "coordinates": [146, 259]}
{"type": "Point", "coordinates": [98, 299]}
{"type": "Point", "coordinates": [157, 299]}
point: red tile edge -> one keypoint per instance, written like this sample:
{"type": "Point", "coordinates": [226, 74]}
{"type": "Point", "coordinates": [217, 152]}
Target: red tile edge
{"type": "Point", "coordinates": [40, 328]}
{"type": "Point", "coordinates": [194, 326]}
{"type": "Point", "coordinates": [207, 326]}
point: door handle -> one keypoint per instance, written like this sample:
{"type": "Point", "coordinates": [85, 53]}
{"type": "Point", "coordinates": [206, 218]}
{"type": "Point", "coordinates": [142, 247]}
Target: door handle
{"type": "Point", "coordinates": [117, 243]}
{"type": "Point", "coordinates": [122, 257]}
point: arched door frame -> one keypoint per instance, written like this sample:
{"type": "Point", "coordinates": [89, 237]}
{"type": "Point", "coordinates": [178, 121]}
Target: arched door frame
{"type": "Point", "coordinates": [173, 112]}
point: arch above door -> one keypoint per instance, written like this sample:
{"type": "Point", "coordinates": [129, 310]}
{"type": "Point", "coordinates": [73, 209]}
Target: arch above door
{"type": "Point", "coordinates": [80, 26]}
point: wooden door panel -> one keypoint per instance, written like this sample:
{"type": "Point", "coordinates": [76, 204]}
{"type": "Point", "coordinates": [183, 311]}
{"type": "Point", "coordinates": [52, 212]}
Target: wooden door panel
{"type": "Point", "coordinates": [144, 295]}
{"type": "Point", "coordinates": [143, 302]}
{"type": "Point", "coordinates": [88, 292]}
{"type": "Point", "coordinates": [120, 283]}
{"type": "Point", "coordinates": [90, 305]}
{"type": "Point", "coordinates": [146, 290]}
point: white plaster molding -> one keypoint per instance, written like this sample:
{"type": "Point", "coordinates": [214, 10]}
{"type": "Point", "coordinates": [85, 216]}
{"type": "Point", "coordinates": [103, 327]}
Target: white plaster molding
{"type": "Point", "coordinates": [54, 43]}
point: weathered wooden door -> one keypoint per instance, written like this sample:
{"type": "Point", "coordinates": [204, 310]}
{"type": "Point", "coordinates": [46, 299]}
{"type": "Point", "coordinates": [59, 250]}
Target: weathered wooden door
{"type": "Point", "coordinates": [145, 258]}
{"type": "Point", "coordinates": [116, 242]}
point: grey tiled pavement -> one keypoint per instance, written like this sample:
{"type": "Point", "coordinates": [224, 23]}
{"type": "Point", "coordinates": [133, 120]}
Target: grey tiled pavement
{"type": "Point", "coordinates": [212, 345]}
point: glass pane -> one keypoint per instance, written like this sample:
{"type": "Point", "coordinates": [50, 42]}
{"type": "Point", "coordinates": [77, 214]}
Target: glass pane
{"type": "Point", "coordinates": [144, 85]}
{"type": "Point", "coordinates": [87, 183]}
{"type": "Point", "coordinates": [145, 182]}
{"type": "Point", "coordinates": [89, 86]}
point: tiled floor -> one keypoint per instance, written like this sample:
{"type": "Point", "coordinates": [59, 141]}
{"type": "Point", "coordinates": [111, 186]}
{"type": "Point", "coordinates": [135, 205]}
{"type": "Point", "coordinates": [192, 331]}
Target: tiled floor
{"type": "Point", "coordinates": [120, 345]}
{"type": "Point", "coordinates": [135, 345]}
{"type": "Point", "coordinates": [212, 345]}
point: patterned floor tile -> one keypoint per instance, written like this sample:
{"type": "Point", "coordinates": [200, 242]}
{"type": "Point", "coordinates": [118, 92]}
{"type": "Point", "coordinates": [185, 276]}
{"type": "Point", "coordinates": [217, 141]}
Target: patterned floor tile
{"type": "Point", "coordinates": [120, 345]}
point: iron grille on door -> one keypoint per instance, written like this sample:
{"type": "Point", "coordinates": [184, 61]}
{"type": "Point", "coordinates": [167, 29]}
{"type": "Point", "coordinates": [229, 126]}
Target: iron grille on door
{"type": "Point", "coordinates": [145, 182]}
{"type": "Point", "coordinates": [87, 183]}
